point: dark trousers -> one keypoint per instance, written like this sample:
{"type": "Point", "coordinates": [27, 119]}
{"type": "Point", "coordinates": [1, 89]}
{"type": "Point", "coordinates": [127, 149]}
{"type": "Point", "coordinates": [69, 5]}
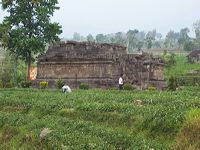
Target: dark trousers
{"type": "Point", "coordinates": [120, 86]}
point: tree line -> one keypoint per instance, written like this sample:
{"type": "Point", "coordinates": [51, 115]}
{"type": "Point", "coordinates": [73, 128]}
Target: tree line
{"type": "Point", "coordinates": [137, 40]}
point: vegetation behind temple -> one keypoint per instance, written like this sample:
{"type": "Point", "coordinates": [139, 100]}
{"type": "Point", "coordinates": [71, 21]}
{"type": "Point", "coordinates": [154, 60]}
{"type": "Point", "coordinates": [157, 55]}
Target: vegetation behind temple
{"type": "Point", "coordinates": [135, 39]}
{"type": "Point", "coordinates": [185, 74]}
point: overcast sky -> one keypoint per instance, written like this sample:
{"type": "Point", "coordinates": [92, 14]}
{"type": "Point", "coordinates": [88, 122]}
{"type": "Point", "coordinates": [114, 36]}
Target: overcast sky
{"type": "Point", "coordinates": [110, 16]}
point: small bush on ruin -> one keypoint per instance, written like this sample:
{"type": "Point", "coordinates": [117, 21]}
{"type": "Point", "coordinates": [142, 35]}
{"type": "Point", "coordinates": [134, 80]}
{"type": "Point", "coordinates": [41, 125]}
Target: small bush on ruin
{"type": "Point", "coordinates": [170, 59]}
{"type": "Point", "coordinates": [84, 86]}
{"type": "Point", "coordinates": [172, 83]}
{"type": "Point", "coordinates": [152, 88]}
{"type": "Point", "coordinates": [60, 83]}
{"type": "Point", "coordinates": [26, 84]}
{"type": "Point", "coordinates": [43, 85]}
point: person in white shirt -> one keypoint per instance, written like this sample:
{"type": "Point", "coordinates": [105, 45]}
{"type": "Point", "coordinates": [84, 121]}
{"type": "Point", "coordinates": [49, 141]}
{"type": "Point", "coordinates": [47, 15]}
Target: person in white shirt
{"type": "Point", "coordinates": [66, 89]}
{"type": "Point", "coordinates": [121, 82]}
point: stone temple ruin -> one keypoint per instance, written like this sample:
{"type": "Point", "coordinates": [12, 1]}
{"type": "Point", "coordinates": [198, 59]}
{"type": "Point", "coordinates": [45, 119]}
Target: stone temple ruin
{"type": "Point", "coordinates": [98, 65]}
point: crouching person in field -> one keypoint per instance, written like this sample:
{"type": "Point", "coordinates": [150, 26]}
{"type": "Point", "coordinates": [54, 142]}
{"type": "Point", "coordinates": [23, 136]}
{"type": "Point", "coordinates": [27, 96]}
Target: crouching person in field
{"type": "Point", "coordinates": [66, 89]}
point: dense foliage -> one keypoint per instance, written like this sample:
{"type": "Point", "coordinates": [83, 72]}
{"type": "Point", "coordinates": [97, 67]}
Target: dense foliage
{"type": "Point", "coordinates": [43, 85]}
{"type": "Point", "coordinates": [96, 119]}
{"type": "Point", "coordinates": [181, 67]}
{"type": "Point", "coordinates": [128, 87]}
{"type": "Point", "coordinates": [7, 72]}
{"type": "Point", "coordinates": [27, 29]}
{"type": "Point", "coordinates": [186, 74]}
{"type": "Point", "coordinates": [172, 83]}
{"type": "Point", "coordinates": [26, 84]}
{"type": "Point", "coordinates": [60, 83]}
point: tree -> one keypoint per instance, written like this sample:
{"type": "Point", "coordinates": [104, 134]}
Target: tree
{"type": "Point", "coordinates": [157, 44]}
{"type": "Point", "coordinates": [140, 45]}
{"type": "Point", "coordinates": [188, 46]}
{"type": "Point", "coordinates": [77, 37]}
{"type": "Point", "coordinates": [131, 39]}
{"type": "Point", "coordinates": [100, 38]}
{"type": "Point", "coordinates": [140, 36]}
{"type": "Point", "coordinates": [90, 38]}
{"type": "Point", "coordinates": [4, 30]}
{"type": "Point", "coordinates": [149, 42]}
{"type": "Point", "coordinates": [196, 26]}
{"type": "Point", "coordinates": [184, 37]}
{"type": "Point", "coordinates": [119, 38]}
{"type": "Point", "coordinates": [150, 37]}
{"type": "Point", "coordinates": [30, 27]}
{"type": "Point", "coordinates": [171, 39]}
{"type": "Point", "coordinates": [140, 40]}
{"type": "Point", "coordinates": [6, 72]}
{"type": "Point", "coordinates": [158, 36]}
{"type": "Point", "coordinates": [7, 43]}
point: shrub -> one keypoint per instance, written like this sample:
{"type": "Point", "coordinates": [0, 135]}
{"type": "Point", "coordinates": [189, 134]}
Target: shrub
{"type": "Point", "coordinates": [21, 78]}
{"type": "Point", "coordinates": [1, 85]}
{"type": "Point", "coordinates": [26, 84]}
{"type": "Point", "coordinates": [43, 85]}
{"type": "Point", "coordinates": [170, 59]}
{"type": "Point", "coordinates": [172, 84]}
{"type": "Point", "coordinates": [8, 85]}
{"type": "Point", "coordinates": [152, 88]}
{"type": "Point", "coordinates": [84, 86]}
{"type": "Point", "coordinates": [60, 83]}
{"type": "Point", "coordinates": [6, 78]}
{"type": "Point", "coordinates": [128, 87]}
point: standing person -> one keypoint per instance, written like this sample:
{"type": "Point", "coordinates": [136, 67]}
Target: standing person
{"type": "Point", "coordinates": [121, 82]}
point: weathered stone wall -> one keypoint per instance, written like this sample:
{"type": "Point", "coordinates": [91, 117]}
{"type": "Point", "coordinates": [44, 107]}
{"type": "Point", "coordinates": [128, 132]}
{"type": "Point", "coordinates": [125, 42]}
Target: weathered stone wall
{"type": "Point", "coordinates": [99, 65]}
{"type": "Point", "coordinates": [75, 69]}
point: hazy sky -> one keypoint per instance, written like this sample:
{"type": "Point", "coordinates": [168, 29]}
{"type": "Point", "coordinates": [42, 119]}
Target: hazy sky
{"type": "Point", "coordinates": [110, 16]}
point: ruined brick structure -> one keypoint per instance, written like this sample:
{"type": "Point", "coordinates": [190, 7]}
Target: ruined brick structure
{"type": "Point", "coordinates": [98, 65]}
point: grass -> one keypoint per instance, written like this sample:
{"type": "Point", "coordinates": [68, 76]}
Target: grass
{"type": "Point", "coordinates": [94, 119]}
{"type": "Point", "coordinates": [181, 68]}
{"type": "Point", "coordinates": [186, 74]}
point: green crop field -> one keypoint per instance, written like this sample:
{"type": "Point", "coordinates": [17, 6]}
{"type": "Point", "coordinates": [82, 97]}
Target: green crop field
{"type": "Point", "coordinates": [99, 119]}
